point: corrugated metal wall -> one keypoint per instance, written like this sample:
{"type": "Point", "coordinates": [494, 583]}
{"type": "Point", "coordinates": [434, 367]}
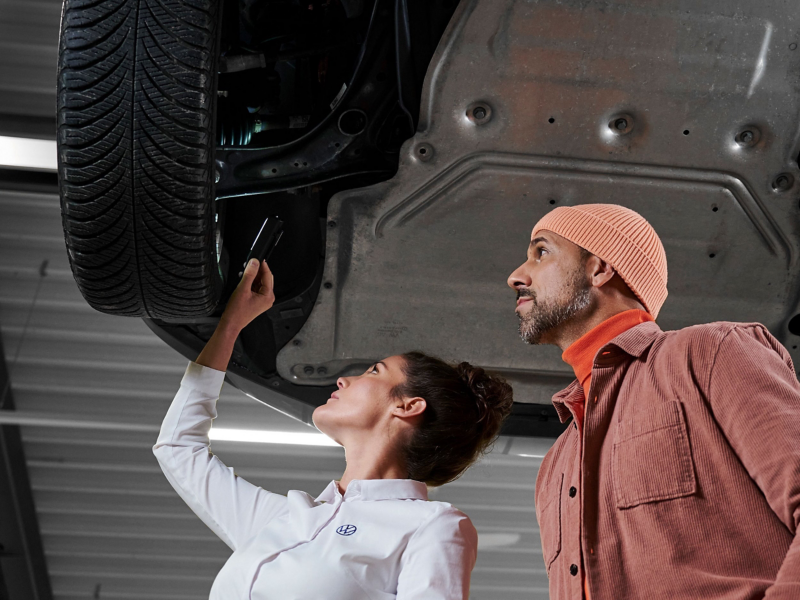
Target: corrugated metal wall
{"type": "Point", "coordinates": [28, 57]}
{"type": "Point", "coordinates": [112, 526]}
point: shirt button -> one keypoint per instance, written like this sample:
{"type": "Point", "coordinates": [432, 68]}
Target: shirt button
{"type": "Point", "coordinates": [573, 570]}
{"type": "Point", "coordinates": [572, 491]}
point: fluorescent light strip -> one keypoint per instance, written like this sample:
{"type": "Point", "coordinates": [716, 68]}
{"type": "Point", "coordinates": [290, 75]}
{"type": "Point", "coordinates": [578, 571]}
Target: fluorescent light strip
{"type": "Point", "coordinates": [497, 540]}
{"type": "Point", "coordinates": [271, 437]}
{"type": "Point", "coordinates": [25, 153]}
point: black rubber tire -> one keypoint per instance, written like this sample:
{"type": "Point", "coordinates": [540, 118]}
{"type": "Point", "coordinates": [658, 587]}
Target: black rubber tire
{"type": "Point", "coordinates": [137, 86]}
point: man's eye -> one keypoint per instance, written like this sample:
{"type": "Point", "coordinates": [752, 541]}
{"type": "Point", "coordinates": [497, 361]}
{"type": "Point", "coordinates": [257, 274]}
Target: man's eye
{"type": "Point", "coordinates": [373, 369]}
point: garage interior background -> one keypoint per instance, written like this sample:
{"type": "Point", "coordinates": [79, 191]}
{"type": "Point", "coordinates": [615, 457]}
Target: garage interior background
{"type": "Point", "coordinates": [87, 513]}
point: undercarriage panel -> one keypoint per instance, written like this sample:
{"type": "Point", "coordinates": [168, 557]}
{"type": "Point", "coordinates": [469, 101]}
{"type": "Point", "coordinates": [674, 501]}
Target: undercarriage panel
{"type": "Point", "coordinates": [685, 111]}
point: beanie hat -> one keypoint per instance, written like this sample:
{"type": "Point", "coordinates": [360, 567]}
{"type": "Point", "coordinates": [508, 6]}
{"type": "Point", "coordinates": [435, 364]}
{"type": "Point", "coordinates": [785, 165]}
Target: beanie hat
{"type": "Point", "coordinates": [622, 238]}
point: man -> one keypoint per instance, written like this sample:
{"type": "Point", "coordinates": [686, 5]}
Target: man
{"type": "Point", "coordinates": [680, 475]}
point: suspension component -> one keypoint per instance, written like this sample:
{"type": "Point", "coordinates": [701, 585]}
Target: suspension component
{"type": "Point", "coordinates": [238, 130]}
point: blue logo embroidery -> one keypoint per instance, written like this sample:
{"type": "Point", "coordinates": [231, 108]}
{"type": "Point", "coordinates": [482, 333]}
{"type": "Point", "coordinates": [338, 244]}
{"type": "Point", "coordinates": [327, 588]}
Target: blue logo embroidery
{"type": "Point", "coordinates": [346, 530]}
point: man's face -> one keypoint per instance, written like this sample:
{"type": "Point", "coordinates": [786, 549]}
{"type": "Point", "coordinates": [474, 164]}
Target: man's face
{"type": "Point", "coordinates": [552, 287]}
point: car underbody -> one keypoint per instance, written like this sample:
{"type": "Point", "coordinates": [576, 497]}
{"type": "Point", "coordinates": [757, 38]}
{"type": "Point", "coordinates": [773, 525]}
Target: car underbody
{"type": "Point", "coordinates": [409, 185]}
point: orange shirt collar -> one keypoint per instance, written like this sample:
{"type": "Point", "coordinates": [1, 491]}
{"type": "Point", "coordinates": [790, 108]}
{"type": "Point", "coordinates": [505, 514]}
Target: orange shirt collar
{"type": "Point", "coordinates": [580, 354]}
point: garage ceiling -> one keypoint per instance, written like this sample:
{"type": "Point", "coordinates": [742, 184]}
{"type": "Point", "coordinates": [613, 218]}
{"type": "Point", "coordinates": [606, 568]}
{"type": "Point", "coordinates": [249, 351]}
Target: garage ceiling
{"type": "Point", "coordinates": [111, 525]}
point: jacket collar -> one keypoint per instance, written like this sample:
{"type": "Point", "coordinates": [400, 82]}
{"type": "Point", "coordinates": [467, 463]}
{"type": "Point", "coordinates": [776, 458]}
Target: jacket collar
{"type": "Point", "coordinates": [634, 342]}
{"type": "Point", "coordinates": [376, 489]}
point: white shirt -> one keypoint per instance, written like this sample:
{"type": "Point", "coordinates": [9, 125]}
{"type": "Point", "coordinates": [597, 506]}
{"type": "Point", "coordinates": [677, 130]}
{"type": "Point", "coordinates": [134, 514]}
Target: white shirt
{"type": "Point", "coordinates": [382, 540]}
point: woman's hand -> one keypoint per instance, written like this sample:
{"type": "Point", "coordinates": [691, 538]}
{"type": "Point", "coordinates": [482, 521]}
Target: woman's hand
{"type": "Point", "coordinates": [253, 296]}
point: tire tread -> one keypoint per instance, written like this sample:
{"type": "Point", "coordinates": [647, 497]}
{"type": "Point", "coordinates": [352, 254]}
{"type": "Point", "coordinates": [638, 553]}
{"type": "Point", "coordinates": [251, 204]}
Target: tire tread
{"type": "Point", "coordinates": [136, 90]}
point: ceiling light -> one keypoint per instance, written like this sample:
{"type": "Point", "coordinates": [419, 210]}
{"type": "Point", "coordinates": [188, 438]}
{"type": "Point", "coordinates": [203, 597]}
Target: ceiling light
{"type": "Point", "coordinates": [497, 540]}
{"type": "Point", "coordinates": [271, 437]}
{"type": "Point", "coordinates": [26, 153]}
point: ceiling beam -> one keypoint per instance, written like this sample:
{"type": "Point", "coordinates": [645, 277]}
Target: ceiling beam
{"type": "Point", "coordinates": [42, 128]}
{"type": "Point", "coordinates": [23, 570]}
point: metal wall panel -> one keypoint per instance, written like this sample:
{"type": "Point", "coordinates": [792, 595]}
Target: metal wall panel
{"type": "Point", "coordinates": [28, 56]}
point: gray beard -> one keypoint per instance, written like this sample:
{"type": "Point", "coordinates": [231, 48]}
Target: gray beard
{"type": "Point", "coordinates": [546, 317]}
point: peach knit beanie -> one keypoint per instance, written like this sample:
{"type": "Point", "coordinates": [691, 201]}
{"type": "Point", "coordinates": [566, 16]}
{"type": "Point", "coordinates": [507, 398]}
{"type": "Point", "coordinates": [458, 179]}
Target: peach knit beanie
{"type": "Point", "coordinates": [623, 239]}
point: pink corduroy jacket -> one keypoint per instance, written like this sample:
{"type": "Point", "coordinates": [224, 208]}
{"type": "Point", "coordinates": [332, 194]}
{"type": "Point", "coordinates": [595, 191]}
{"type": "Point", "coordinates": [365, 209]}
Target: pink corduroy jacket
{"type": "Point", "coordinates": [686, 484]}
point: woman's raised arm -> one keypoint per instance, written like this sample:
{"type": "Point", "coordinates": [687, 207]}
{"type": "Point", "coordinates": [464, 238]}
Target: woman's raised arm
{"type": "Point", "coordinates": [229, 505]}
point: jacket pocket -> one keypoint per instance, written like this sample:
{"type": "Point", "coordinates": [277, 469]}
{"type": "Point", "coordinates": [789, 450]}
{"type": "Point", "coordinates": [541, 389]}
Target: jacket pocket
{"type": "Point", "coordinates": [651, 457]}
{"type": "Point", "coordinates": [550, 524]}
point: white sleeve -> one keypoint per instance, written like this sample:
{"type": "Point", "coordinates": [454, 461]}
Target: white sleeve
{"type": "Point", "coordinates": [229, 505]}
{"type": "Point", "coordinates": [438, 561]}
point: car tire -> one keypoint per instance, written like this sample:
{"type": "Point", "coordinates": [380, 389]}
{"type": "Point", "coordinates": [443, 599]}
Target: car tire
{"type": "Point", "coordinates": [137, 86]}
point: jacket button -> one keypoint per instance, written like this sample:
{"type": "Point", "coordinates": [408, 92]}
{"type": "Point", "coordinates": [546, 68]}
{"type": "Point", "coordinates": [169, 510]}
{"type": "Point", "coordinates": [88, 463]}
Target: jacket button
{"type": "Point", "coordinates": [573, 570]}
{"type": "Point", "coordinates": [572, 491]}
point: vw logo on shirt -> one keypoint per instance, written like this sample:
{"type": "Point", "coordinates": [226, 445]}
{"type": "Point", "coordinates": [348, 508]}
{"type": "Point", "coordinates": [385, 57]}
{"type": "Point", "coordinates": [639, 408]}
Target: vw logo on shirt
{"type": "Point", "coordinates": [346, 530]}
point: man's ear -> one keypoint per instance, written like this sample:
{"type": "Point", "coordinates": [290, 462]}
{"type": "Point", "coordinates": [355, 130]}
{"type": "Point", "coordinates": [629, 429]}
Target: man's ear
{"type": "Point", "coordinates": [599, 271]}
{"type": "Point", "coordinates": [410, 407]}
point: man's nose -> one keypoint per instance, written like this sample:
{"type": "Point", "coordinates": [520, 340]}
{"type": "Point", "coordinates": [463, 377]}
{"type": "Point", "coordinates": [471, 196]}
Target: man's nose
{"type": "Point", "coordinates": [519, 279]}
{"type": "Point", "coordinates": [340, 383]}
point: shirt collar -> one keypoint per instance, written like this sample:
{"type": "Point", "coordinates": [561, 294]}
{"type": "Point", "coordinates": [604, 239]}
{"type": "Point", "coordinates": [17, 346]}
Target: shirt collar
{"type": "Point", "coordinates": [376, 489]}
{"type": "Point", "coordinates": [634, 342]}
{"type": "Point", "coordinates": [581, 353]}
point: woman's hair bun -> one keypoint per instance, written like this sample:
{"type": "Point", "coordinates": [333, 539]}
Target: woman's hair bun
{"type": "Point", "coordinates": [465, 409]}
{"type": "Point", "coordinates": [493, 394]}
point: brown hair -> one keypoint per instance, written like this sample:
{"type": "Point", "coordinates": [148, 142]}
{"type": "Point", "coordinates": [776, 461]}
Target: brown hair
{"type": "Point", "coordinates": [465, 408]}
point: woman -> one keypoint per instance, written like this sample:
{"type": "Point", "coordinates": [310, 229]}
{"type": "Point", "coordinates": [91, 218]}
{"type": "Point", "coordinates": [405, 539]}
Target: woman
{"type": "Point", "coordinates": [408, 422]}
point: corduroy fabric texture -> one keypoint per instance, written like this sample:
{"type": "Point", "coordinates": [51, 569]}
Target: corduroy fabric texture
{"type": "Point", "coordinates": [622, 238]}
{"type": "Point", "coordinates": [686, 481]}
{"type": "Point", "coordinates": [580, 354]}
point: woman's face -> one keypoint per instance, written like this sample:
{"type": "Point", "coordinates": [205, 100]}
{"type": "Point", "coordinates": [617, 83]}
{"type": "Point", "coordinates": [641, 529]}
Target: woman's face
{"type": "Point", "coordinates": [363, 404]}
